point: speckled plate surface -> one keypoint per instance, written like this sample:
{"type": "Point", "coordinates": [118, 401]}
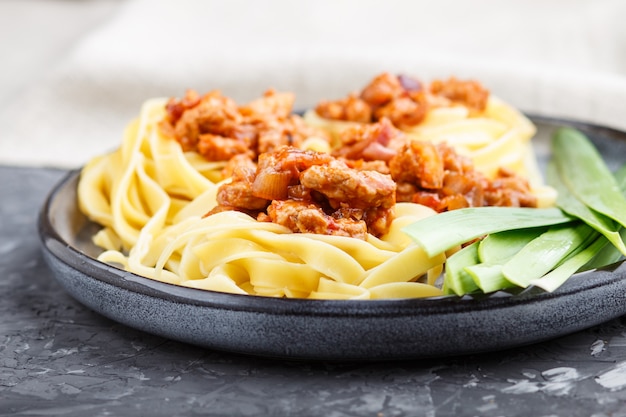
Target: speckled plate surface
{"type": "Point", "coordinates": [331, 330]}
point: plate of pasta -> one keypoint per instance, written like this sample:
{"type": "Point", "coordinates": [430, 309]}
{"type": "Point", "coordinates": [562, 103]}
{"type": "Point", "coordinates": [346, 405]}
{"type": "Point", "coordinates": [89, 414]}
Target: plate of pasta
{"type": "Point", "coordinates": [259, 230]}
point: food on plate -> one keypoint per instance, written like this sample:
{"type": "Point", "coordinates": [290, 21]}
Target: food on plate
{"type": "Point", "coordinates": [504, 248]}
{"type": "Point", "coordinates": [254, 199]}
{"type": "Point", "coordinates": [461, 114]}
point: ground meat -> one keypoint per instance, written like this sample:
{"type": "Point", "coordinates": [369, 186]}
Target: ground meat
{"type": "Point", "coordinates": [397, 98]}
{"type": "Point", "coordinates": [175, 108]}
{"type": "Point", "coordinates": [274, 104]}
{"type": "Point", "coordinates": [309, 191]}
{"type": "Point", "coordinates": [382, 89]}
{"type": "Point", "coordinates": [419, 163]}
{"type": "Point", "coordinates": [345, 186]}
{"type": "Point", "coordinates": [437, 177]}
{"type": "Point", "coordinates": [220, 148]}
{"type": "Point", "coordinates": [351, 108]}
{"type": "Point", "coordinates": [404, 112]}
{"type": "Point", "coordinates": [369, 142]}
{"type": "Point", "coordinates": [238, 161]}
{"type": "Point", "coordinates": [353, 191]}
{"type": "Point", "coordinates": [291, 131]}
{"type": "Point", "coordinates": [379, 219]}
{"type": "Point", "coordinates": [281, 169]}
{"type": "Point", "coordinates": [468, 185]}
{"type": "Point", "coordinates": [362, 165]}
{"type": "Point", "coordinates": [452, 161]}
{"type": "Point", "coordinates": [403, 100]}
{"type": "Point", "coordinates": [406, 192]}
{"type": "Point", "coordinates": [508, 189]}
{"type": "Point", "coordinates": [217, 128]}
{"type": "Point", "coordinates": [191, 117]}
{"type": "Point", "coordinates": [305, 217]}
{"type": "Point", "coordinates": [237, 194]}
{"type": "Point", "coordinates": [469, 93]}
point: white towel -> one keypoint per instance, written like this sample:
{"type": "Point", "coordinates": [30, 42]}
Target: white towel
{"type": "Point", "coordinates": [564, 58]}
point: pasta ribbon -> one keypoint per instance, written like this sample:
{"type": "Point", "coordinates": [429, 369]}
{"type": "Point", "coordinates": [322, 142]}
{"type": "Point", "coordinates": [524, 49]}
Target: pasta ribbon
{"type": "Point", "coordinates": [151, 198]}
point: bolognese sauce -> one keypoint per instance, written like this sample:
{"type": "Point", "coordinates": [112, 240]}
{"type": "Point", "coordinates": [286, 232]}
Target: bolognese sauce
{"type": "Point", "coordinates": [351, 190]}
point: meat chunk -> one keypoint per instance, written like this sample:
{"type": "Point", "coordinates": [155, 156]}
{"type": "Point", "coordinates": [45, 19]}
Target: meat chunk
{"type": "Point", "coordinates": [404, 112]}
{"type": "Point", "coordinates": [351, 108]}
{"type": "Point", "coordinates": [368, 196]}
{"type": "Point", "coordinates": [273, 104]}
{"type": "Point", "coordinates": [356, 189]}
{"type": "Point", "coordinates": [382, 89]}
{"type": "Point", "coordinates": [308, 218]}
{"type": "Point", "coordinates": [419, 163]}
{"type": "Point", "coordinates": [280, 169]}
{"type": "Point", "coordinates": [238, 161]}
{"type": "Point", "coordinates": [437, 177]}
{"type": "Point", "coordinates": [369, 142]}
{"type": "Point", "coordinates": [191, 117]}
{"type": "Point", "coordinates": [313, 192]}
{"type": "Point", "coordinates": [220, 148]}
{"type": "Point", "coordinates": [508, 189]}
{"type": "Point", "coordinates": [399, 99]}
{"type": "Point", "coordinates": [238, 194]}
{"type": "Point", "coordinates": [362, 165]}
{"type": "Point", "coordinates": [470, 186]}
{"type": "Point", "coordinates": [470, 93]}
{"type": "Point", "coordinates": [403, 100]}
{"type": "Point", "coordinates": [175, 108]}
{"type": "Point", "coordinates": [217, 128]}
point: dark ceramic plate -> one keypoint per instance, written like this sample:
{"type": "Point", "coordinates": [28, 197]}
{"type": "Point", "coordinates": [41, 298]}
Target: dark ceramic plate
{"type": "Point", "coordinates": [331, 330]}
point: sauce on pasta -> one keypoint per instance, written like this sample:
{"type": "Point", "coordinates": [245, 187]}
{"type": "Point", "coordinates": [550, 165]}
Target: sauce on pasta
{"type": "Point", "coordinates": [253, 199]}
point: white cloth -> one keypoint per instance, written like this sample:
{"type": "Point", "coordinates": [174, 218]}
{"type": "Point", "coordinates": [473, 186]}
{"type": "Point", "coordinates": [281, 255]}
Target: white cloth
{"type": "Point", "coordinates": [563, 58]}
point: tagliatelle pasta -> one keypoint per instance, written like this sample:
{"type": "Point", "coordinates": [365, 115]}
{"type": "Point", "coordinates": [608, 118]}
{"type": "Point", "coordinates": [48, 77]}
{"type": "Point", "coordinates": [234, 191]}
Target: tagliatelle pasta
{"type": "Point", "coordinates": [162, 201]}
{"type": "Point", "coordinates": [150, 198]}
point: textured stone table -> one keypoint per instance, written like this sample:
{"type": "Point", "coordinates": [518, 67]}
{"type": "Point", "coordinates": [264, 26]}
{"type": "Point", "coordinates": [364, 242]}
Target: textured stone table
{"type": "Point", "coordinates": [58, 358]}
